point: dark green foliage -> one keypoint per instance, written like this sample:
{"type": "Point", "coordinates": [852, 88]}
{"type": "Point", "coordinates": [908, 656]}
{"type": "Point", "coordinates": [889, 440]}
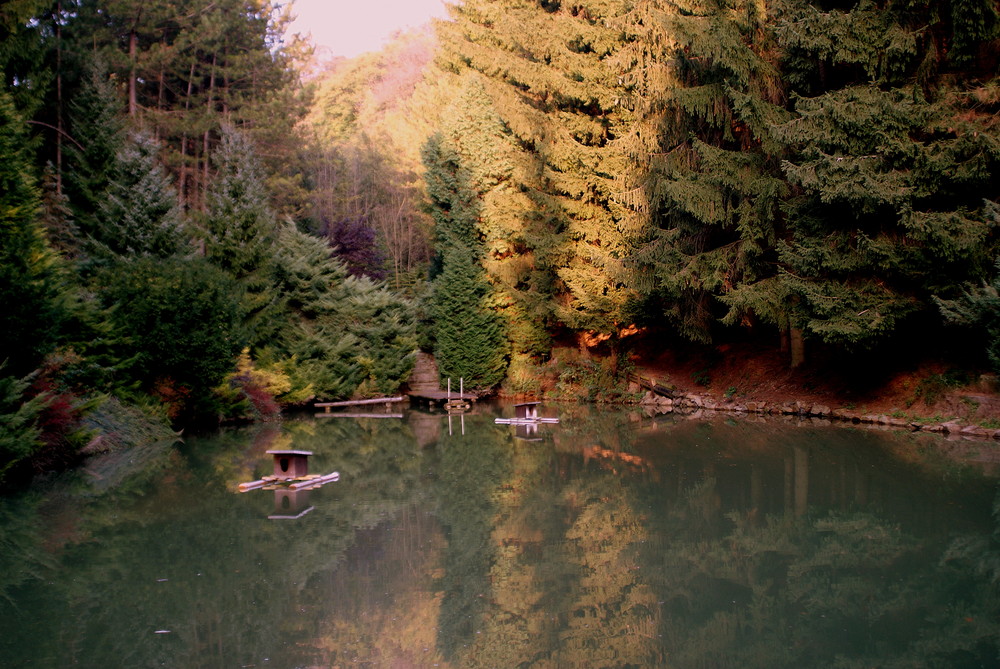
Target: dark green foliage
{"type": "Point", "coordinates": [889, 170]}
{"type": "Point", "coordinates": [20, 436]}
{"type": "Point", "coordinates": [98, 128]}
{"type": "Point", "coordinates": [979, 308]}
{"type": "Point", "coordinates": [384, 326]}
{"type": "Point", "coordinates": [241, 230]}
{"type": "Point", "coordinates": [139, 215]}
{"type": "Point", "coordinates": [349, 335]}
{"type": "Point", "coordinates": [470, 338]}
{"type": "Point", "coordinates": [833, 173]}
{"type": "Point", "coordinates": [180, 321]}
{"type": "Point", "coordinates": [30, 289]}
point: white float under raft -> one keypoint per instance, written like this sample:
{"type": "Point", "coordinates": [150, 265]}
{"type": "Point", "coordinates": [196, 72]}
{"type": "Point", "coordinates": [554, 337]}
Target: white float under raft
{"type": "Point", "coordinates": [525, 413]}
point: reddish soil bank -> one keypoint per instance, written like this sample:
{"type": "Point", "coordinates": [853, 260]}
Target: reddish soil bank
{"type": "Point", "coordinates": [752, 372]}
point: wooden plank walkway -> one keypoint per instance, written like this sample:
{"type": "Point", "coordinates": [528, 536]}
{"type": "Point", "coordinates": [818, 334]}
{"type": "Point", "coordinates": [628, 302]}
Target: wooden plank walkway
{"type": "Point", "coordinates": [344, 414]}
{"type": "Point", "coordinates": [439, 397]}
{"type": "Point", "coordinates": [351, 403]}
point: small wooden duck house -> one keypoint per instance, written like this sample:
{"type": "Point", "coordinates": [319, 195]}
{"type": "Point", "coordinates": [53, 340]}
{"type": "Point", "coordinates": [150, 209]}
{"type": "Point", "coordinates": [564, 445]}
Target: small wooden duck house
{"type": "Point", "coordinates": [526, 411]}
{"type": "Point", "coordinates": [291, 464]}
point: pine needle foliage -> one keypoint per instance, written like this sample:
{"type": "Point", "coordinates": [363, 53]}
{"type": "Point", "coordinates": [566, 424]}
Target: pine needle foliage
{"type": "Point", "coordinates": [139, 215]}
{"type": "Point", "coordinates": [556, 75]}
{"type": "Point", "coordinates": [889, 159]}
{"type": "Point", "coordinates": [30, 284]}
{"type": "Point", "coordinates": [240, 232]}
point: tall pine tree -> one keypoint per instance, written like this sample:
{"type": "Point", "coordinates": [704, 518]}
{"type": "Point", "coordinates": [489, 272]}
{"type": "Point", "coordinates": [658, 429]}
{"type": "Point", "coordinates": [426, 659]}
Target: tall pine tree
{"type": "Point", "coordinates": [469, 339]}
{"type": "Point", "coordinates": [555, 73]}
{"type": "Point", "coordinates": [140, 215]}
{"type": "Point", "coordinates": [241, 229]}
{"type": "Point", "coordinates": [30, 287]}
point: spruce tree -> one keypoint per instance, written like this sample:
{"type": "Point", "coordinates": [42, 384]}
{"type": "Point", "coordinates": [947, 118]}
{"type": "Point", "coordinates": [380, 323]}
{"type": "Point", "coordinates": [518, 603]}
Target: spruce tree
{"type": "Point", "coordinates": [241, 229]}
{"type": "Point", "coordinates": [179, 323]}
{"type": "Point", "coordinates": [30, 287]}
{"type": "Point", "coordinates": [890, 153]}
{"type": "Point", "coordinates": [98, 128]}
{"type": "Point", "coordinates": [469, 341]}
{"type": "Point", "coordinates": [554, 73]}
{"type": "Point", "coordinates": [714, 184]}
{"type": "Point", "coordinates": [348, 335]}
{"type": "Point", "coordinates": [465, 165]}
{"type": "Point", "coordinates": [139, 215]}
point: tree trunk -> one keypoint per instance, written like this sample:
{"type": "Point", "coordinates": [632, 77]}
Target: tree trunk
{"type": "Point", "coordinates": [798, 346]}
{"type": "Point", "coordinates": [59, 100]}
{"type": "Point", "coordinates": [205, 137]}
{"type": "Point", "coordinates": [133, 96]}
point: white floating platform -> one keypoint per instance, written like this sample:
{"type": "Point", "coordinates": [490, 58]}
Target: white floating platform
{"type": "Point", "coordinates": [524, 421]}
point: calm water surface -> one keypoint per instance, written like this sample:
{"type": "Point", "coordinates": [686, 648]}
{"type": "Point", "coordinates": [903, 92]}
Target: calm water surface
{"type": "Point", "coordinates": [610, 540]}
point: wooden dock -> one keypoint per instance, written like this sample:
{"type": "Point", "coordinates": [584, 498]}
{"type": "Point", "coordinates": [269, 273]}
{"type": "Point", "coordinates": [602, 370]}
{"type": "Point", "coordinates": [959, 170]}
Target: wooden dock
{"type": "Point", "coordinates": [425, 387]}
{"type": "Point", "coordinates": [440, 397]}
{"type": "Point", "coordinates": [387, 401]}
{"type": "Point", "coordinates": [346, 414]}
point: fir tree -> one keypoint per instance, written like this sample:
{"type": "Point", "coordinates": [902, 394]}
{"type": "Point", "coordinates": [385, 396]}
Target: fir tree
{"type": "Point", "coordinates": [306, 274]}
{"type": "Point", "coordinates": [889, 168]}
{"type": "Point", "coordinates": [241, 229]}
{"type": "Point", "coordinates": [463, 170]}
{"type": "Point", "coordinates": [98, 128]}
{"type": "Point", "coordinates": [139, 215]}
{"type": "Point", "coordinates": [180, 326]}
{"type": "Point", "coordinates": [714, 186]}
{"type": "Point", "coordinates": [469, 336]}
{"type": "Point", "coordinates": [349, 334]}
{"type": "Point", "coordinates": [30, 287]}
{"type": "Point", "coordinates": [554, 75]}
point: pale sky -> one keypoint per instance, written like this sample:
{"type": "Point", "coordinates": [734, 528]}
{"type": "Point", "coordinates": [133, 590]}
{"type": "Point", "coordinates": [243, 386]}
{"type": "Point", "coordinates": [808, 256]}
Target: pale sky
{"type": "Point", "coordinates": [351, 27]}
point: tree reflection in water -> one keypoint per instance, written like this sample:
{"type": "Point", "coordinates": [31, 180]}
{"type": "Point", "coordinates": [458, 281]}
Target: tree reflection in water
{"type": "Point", "coordinates": [617, 541]}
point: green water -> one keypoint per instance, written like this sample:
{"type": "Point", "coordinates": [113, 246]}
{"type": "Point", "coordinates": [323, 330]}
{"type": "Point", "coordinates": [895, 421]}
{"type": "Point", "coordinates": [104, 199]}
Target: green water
{"type": "Point", "coordinates": [610, 540]}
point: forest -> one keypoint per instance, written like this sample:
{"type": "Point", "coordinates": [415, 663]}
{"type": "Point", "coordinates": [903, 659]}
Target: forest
{"type": "Point", "coordinates": [202, 224]}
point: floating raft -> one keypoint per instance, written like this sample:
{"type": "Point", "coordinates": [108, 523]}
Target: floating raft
{"type": "Point", "coordinates": [299, 483]}
{"type": "Point", "coordinates": [526, 413]}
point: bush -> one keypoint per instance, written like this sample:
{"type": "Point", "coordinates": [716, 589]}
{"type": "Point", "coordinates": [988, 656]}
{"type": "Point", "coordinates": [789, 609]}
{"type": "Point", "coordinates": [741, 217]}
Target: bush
{"type": "Point", "coordinates": [179, 323]}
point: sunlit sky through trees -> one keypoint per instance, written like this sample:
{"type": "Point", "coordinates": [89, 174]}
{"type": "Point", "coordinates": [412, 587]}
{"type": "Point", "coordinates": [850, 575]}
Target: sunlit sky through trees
{"type": "Point", "coordinates": [349, 28]}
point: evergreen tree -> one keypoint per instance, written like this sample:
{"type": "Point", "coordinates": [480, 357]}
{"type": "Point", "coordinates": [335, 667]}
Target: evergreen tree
{"type": "Point", "coordinates": [20, 436]}
{"type": "Point", "coordinates": [469, 336]}
{"type": "Point", "coordinates": [714, 184]}
{"type": "Point", "coordinates": [890, 162]}
{"type": "Point", "coordinates": [350, 335]}
{"type": "Point", "coordinates": [554, 73]}
{"type": "Point", "coordinates": [139, 215]}
{"type": "Point", "coordinates": [241, 229]}
{"type": "Point", "coordinates": [306, 274]}
{"type": "Point", "coordinates": [30, 287]}
{"type": "Point", "coordinates": [180, 325]}
{"type": "Point", "coordinates": [98, 127]}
